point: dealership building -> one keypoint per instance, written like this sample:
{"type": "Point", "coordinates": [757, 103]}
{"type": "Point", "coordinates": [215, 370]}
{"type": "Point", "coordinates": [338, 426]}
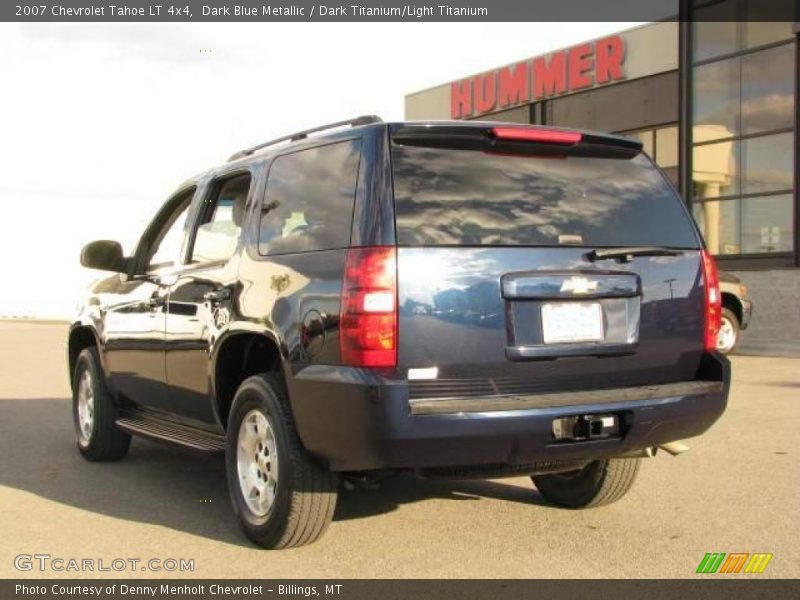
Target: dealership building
{"type": "Point", "coordinates": [713, 103]}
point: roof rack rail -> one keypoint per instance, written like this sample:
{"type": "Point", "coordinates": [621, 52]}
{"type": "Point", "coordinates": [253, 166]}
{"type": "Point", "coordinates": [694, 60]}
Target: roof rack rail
{"type": "Point", "coordinates": [362, 120]}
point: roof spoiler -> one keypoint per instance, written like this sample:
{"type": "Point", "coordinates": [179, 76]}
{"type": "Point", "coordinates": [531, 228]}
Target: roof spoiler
{"type": "Point", "coordinates": [522, 139]}
{"type": "Point", "coordinates": [294, 137]}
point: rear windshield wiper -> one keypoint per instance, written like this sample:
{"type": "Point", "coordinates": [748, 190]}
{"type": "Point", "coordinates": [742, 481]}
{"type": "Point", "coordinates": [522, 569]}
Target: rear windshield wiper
{"type": "Point", "coordinates": [626, 254]}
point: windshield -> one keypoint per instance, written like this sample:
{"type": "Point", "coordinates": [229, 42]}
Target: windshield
{"type": "Point", "coordinates": [446, 196]}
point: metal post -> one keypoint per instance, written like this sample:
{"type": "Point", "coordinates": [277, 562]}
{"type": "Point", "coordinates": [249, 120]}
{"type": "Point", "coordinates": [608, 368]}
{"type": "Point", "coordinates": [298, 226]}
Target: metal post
{"type": "Point", "coordinates": [685, 100]}
{"type": "Point", "coordinates": [796, 240]}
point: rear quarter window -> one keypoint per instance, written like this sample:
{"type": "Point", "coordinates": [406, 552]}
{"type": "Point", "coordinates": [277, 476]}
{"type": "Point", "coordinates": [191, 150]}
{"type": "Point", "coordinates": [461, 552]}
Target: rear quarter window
{"type": "Point", "coordinates": [447, 196]}
{"type": "Point", "coordinates": [308, 204]}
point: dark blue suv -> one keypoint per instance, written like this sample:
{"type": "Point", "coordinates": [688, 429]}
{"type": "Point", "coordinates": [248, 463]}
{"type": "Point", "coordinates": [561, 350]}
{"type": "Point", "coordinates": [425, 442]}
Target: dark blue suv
{"type": "Point", "coordinates": [464, 299]}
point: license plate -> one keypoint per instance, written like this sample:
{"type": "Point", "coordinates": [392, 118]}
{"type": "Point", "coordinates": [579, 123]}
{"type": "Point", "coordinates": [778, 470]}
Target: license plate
{"type": "Point", "coordinates": [571, 322]}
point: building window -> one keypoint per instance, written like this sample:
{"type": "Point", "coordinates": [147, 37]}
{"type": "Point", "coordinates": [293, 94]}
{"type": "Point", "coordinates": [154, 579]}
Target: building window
{"type": "Point", "coordinates": [752, 225]}
{"type": "Point", "coordinates": [724, 27]}
{"type": "Point", "coordinates": [767, 164]}
{"type": "Point", "coordinates": [661, 144]}
{"type": "Point", "coordinates": [742, 132]}
{"type": "Point", "coordinates": [714, 31]}
{"type": "Point", "coordinates": [719, 222]}
{"type": "Point", "coordinates": [768, 90]}
{"type": "Point", "coordinates": [716, 170]}
{"type": "Point", "coordinates": [716, 97]}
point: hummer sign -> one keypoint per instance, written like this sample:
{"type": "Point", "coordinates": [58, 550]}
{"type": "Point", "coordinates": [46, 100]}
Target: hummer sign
{"type": "Point", "coordinates": [580, 67]}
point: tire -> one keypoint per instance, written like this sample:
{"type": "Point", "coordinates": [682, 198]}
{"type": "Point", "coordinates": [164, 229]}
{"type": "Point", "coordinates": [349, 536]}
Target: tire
{"type": "Point", "coordinates": [600, 482]}
{"type": "Point", "coordinates": [94, 413]}
{"type": "Point", "coordinates": [728, 336]}
{"type": "Point", "coordinates": [300, 494]}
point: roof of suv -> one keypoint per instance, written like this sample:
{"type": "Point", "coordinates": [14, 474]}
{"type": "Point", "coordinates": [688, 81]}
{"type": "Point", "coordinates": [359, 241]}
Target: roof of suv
{"type": "Point", "coordinates": [340, 129]}
{"type": "Point", "coordinates": [335, 130]}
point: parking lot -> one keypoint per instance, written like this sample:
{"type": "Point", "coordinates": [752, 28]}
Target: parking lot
{"type": "Point", "coordinates": [735, 491]}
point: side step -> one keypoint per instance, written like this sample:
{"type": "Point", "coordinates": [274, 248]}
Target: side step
{"type": "Point", "coordinates": [175, 433]}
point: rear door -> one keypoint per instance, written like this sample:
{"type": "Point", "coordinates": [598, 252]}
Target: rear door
{"type": "Point", "coordinates": [505, 281]}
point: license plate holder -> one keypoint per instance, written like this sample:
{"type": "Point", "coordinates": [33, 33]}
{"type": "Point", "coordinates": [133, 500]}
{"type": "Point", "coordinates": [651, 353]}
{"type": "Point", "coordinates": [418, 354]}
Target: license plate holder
{"type": "Point", "coordinates": [572, 322]}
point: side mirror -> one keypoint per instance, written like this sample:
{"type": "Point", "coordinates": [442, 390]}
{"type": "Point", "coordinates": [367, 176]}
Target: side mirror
{"type": "Point", "coordinates": [104, 255]}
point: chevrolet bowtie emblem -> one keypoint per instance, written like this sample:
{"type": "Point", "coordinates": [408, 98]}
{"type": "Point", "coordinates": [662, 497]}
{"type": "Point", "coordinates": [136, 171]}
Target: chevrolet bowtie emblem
{"type": "Point", "coordinates": [578, 285]}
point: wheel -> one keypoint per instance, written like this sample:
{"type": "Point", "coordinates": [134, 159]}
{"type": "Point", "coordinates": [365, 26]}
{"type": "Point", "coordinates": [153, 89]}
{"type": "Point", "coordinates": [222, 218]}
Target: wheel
{"type": "Point", "coordinates": [94, 412]}
{"type": "Point", "coordinates": [600, 482]}
{"type": "Point", "coordinates": [728, 335]}
{"type": "Point", "coordinates": [281, 496]}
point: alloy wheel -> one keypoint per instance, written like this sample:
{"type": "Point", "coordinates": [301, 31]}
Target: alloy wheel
{"type": "Point", "coordinates": [726, 338]}
{"type": "Point", "coordinates": [85, 407]}
{"type": "Point", "coordinates": [257, 463]}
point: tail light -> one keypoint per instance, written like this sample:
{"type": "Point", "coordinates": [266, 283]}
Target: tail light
{"type": "Point", "coordinates": [533, 134]}
{"type": "Point", "coordinates": [713, 300]}
{"type": "Point", "coordinates": [368, 324]}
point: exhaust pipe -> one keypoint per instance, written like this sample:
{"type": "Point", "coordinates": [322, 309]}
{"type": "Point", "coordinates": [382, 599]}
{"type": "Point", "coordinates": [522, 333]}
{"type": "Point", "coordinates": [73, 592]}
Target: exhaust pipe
{"type": "Point", "coordinates": [674, 448]}
{"type": "Point", "coordinates": [648, 452]}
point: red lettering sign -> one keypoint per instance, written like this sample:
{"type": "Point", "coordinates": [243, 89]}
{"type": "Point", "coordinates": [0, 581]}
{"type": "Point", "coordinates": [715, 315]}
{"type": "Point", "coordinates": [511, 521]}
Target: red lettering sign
{"type": "Point", "coordinates": [609, 54]}
{"type": "Point", "coordinates": [484, 87]}
{"type": "Point", "coordinates": [549, 78]}
{"type": "Point", "coordinates": [577, 68]}
{"type": "Point", "coordinates": [514, 85]}
{"type": "Point", "coordinates": [580, 66]}
{"type": "Point", "coordinates": [461, 99]}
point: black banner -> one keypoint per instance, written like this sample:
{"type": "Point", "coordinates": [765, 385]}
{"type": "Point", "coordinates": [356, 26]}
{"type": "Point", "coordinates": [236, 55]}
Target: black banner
{"type": "Point", "coordinates": [395, 10]}
{"type": "Point", "coordinates": [385, 589]}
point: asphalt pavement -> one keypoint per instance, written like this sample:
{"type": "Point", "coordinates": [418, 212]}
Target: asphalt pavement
{"type": "Point", "coordinates": [735, 491]}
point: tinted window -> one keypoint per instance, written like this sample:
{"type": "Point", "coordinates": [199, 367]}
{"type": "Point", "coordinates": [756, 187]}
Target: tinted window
{"type": "Point", "coordinates": [716, 169]}
{"type": "Point", "coordinates": [722, 27]}
{"type": "Point", "coordinates": [756, 165]}
{"type": "Point", "coordinates": [752, 225]}
{"type": "Point", "coordinates": [746, 95]}
{"type": "Point", "coordinates": [719, 222]}
{"type": "Point", "coordinates": [309, 199]}
{"type": "Point", "coordinates": [759, 33]}
{"type": "Point", "coordinates": [768, 89]}
{"type": "Point", "coordinates": [715, 29]}
{"type": "Point", "coordinates": [218, 233]}
{"type": "Point", "coordinates": [767, 224]}
{"type": "Point", "coordinates": [768, 163]}
{"type": "Point", "coordinates": [463, 197]}
{"type": "Point", "coordinates": [716, 100]}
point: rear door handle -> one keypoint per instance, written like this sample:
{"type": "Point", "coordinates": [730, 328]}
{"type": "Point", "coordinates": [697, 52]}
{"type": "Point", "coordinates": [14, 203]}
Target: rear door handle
{"type": "Point", "coordinates": [217, 295]}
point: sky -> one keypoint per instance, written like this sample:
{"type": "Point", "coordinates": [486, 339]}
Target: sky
{"type": "Point", "coordinates": [99, 123]}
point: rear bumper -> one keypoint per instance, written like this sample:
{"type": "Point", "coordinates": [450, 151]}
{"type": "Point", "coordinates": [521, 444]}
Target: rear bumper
{"type": "Point", "coordinates": [356, 420]}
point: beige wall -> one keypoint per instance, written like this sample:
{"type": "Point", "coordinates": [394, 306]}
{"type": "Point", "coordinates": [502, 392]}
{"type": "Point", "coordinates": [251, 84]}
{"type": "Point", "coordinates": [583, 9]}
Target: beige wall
{"type": "Point", "coordinates": [650, 49]}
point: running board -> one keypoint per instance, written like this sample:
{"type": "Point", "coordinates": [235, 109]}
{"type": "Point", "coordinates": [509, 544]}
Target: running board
{"type": "Point", "coordinates": [175, 433]}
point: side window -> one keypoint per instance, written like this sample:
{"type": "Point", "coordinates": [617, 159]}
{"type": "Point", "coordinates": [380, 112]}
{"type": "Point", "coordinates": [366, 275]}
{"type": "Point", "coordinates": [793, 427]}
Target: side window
{"type": "Point", "coordinates": [166, 248]}
{"type": "Point", "coordinates": [221, 223]}
{"type": "Point", "coordinates": [308, 203]}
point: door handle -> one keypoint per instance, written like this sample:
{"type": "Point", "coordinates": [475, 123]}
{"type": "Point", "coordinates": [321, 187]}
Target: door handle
{"type": "Point", "coordinates": [217, 295]}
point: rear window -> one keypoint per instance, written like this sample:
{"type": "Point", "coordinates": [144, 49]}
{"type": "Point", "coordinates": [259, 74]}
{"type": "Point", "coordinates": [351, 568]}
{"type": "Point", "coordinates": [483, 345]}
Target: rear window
{"type": "Point", "coordinates": [457, 197]}
{"type": "Point", "coordinates": [309, 199]}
